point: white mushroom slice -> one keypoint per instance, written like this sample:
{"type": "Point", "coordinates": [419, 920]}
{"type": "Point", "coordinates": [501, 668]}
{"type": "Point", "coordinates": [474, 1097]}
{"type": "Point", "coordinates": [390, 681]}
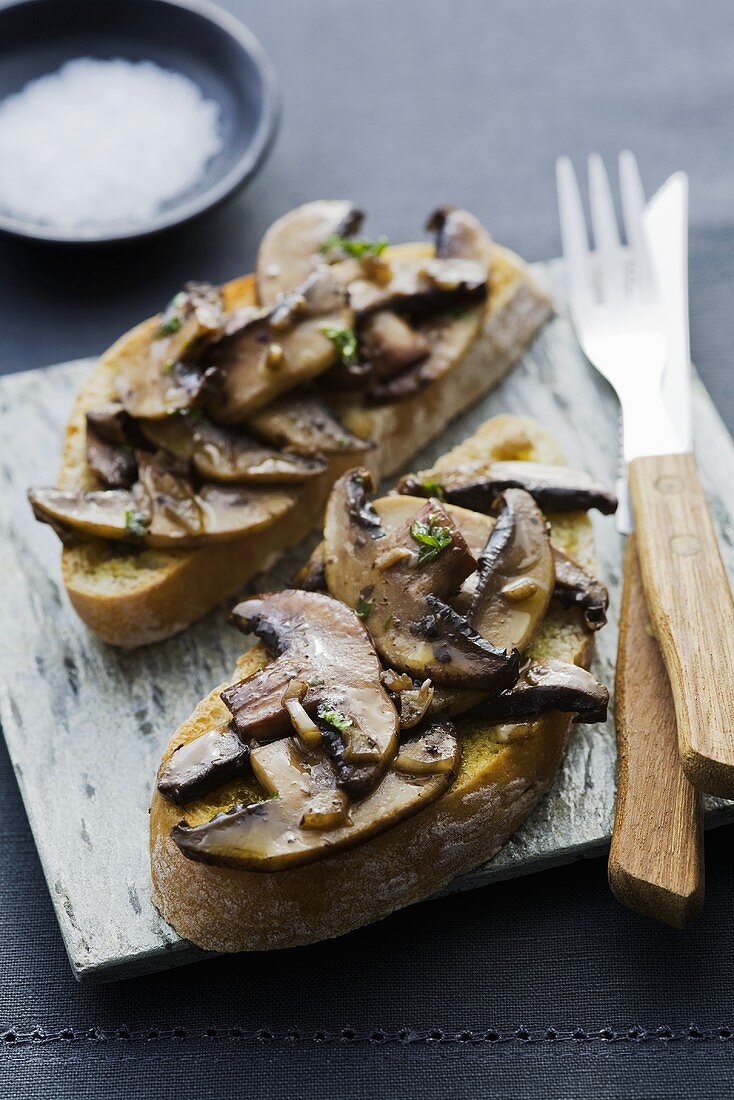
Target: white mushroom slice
{"type": "Point", "coordinates": [292, 246]}
{"type": "Point", "coordinates": [153, 376]}
{"type": "Point", "coordinates": [269, 836]}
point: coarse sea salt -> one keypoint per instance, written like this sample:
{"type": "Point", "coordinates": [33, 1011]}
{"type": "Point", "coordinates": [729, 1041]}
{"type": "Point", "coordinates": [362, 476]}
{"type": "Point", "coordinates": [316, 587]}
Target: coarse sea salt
{"type": "Point", "coordinates": [103, 144]}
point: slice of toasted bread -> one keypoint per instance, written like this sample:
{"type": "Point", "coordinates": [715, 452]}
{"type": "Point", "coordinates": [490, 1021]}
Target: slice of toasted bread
{"type": "Point", "coordinates": [505, 770]}
{"type": "Point", "coordinates": [132, 598]}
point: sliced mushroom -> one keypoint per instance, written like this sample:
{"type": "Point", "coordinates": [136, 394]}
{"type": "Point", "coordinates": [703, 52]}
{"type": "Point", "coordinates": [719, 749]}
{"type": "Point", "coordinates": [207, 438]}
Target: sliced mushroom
{"type": "Point", "coordinates": [292, 247]}
{"type": "Point", "coordinates": [154, 376]}
{"type": "Point", "coordinates": [271, 353]}
{"type": "Point", "coordinates": [113, 463]}
{"type": "Point", "coordinates": [304, 423]}
{"type": "Point", "coordinates": [271, 835]}
{"type": "Point", "coordinates": [400, 583]}
{"type": "Point", "coordinates": [390, 345]}
{"type": "Point", "coordinates": [516, 574]}
{"type": "Point", "coordinates": [225, 454]}
{"type": "Point", "coordinates": [549, 685]}
{"type": "Point", "coordinates": [477, 486]}
{"type": "Point", "coordinates": [412, 699]}
{"type": "Point", "coordinates": [420, 287]}
{"type": "Point", "coordinates": [162, 510]}
{"type": "Point", "coordinates": [460, 237]}
{"type": "Point", "coordinates": [199, 766]}
{"type": "Point", "coordinates": [110, 422]}
{"type": "Point", "coordinates": [576, 586]}
{"type": "Point", "coordinates": [322, 644]}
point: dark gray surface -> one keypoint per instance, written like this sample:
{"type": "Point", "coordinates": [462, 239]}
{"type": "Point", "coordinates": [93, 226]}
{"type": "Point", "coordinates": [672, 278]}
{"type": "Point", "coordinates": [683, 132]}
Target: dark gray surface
{"type": "Point", "coordinates": [401, 104]}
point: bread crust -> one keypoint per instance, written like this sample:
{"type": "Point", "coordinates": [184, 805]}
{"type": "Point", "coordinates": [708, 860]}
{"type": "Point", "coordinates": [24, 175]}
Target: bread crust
{"type": "Point", "coordinates": [505, 771]}
{"type": "Point", "coordinates": [131, 602]}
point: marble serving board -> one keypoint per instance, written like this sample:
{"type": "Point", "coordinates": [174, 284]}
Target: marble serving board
{"type": "Point", "coordinates": [85, 724]}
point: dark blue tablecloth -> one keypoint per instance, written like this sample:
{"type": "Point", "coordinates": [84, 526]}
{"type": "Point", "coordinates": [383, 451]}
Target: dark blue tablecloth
{"type": "Point", "coordinates": [544, 984]}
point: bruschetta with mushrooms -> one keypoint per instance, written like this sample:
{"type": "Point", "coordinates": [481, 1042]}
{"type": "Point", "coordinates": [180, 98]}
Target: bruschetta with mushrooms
{"type": "Point", "coordinates": [406, 705]}
{"type": "Point", "coordinates": [207, 439]}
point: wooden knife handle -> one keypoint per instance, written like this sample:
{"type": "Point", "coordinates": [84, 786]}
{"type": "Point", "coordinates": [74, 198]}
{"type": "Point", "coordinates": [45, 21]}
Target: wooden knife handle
{"type": "Point", "coordinates": [692, 611]}
{"type": "Point", "coordinates": [656, 859]}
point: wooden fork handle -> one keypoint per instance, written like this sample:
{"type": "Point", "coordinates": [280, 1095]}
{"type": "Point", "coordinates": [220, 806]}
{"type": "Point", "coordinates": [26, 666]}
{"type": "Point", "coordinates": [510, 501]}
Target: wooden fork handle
{"type": "Point", "coordinates": [656, 859]}
{"type": "Point", "coordinates": [692, 611]}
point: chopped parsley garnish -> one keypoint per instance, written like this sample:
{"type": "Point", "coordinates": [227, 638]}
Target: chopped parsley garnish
{"type": "Point", "coordinates": [135, 525]}
{"type": "Point", "coordinates": [335, 719]}
{"type": "Point", "coordinates": [356, 248]}
{"type": "Point", "coordinates": [363, 608]}
{"type": "Point", "coordinates": [433, 488]}
{"type": "Point", "coordinates": [172, 318]}
{"type": "Point", "coordinates": [345, 342]}
{"type": "Point", "coordinates": [432, 538]}
{"type": "Point", "coordinates": [389, 623]}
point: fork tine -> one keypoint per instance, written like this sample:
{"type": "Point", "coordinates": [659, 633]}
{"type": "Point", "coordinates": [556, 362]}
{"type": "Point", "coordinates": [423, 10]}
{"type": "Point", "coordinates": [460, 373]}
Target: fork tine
{"type": "Point", "coordinates": [606, 234]}
{"type": "Point", "coordinates": [573, 232]}
{"type": "Point", "coordinates": [633, 207]}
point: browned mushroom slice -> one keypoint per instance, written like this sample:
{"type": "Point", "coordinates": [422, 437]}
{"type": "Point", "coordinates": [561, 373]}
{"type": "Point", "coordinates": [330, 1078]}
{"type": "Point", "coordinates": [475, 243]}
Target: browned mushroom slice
{"type": "Point", "coordinates": [271, 353]}
{"type": "Point", "coordinates": [225, 454]}
{"type": "Point", "coordinates": [576, 586]}
{"type": "Point", "coordinates": [516, 574]}
{"type": "Point", "coordinates": [420, 287]}
{"type": "Point", "coordinates": [154, 376]}
{"type": "Point", "coordinates": [321, 644]}
{"type": "Point", "coordinates": [274, 835]}
{"type": "Point", "coordinates": [162, 510]}
{"type": "Point", "coordinates": [399, 584]}
{"type": "Point", "coordinates": [104, 514]}
{"type": "Point", "coordinates": [390, 345]}
{"type": "Point", "coordinates": [110, 422]}
{"type": "Point", "coordinates": [477, 486]}
{"type": "Point", "coordinates": [199, 766]}
{"type": "Point", "coordinates": [549, 685]}
{"type": "Point", "coordinates": [292, 247]}
{"type": "Point", "coordinates": [113, 463]}
{"type": "Point", "coordinates": [412, 699]}
{"type": "Point", "coordinates": [303, 423]}
{"type": "Point", "coordinates": [462, 238]}
{"type": "Point", "coordinates": [460, 235]}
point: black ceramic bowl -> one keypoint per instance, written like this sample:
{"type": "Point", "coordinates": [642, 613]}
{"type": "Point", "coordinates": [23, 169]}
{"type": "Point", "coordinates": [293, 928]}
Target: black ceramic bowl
{"type": "Point", "coordinates": [193, 37]}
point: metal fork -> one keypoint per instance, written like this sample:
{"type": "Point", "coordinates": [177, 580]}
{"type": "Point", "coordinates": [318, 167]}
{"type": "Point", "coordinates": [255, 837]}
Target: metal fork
{"type": "Point", "coordinates": [619, 322]}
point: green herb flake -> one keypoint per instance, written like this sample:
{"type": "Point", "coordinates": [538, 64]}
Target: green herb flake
{"type": "Point", "coordinates": [315, 681]}
{"type": "Point", "coordinates": [345, 342]}
{"type": "Point", "coordinates": [432, 538]}
{"type": "Point", "coordinates": [389, 623]}
{"type": "Point", "coordinates": [135, 525]}
{"type": "Point", "coordinates": [356, 248]}
{"type": "Point", "coordinates": [433, 488]}
{"type": "Point", "coordinates": [335, 719]}
{"type": "Point", "coordinates": [363, 608]}
{"type": "Point", "coordinates": [172, 319]}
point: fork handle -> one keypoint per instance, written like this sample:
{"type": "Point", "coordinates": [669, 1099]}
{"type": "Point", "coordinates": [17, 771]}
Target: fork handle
{"type": "Point", "coordinates": [656, 857]}
{"type": "Point", "coordinates": [692, 611]}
